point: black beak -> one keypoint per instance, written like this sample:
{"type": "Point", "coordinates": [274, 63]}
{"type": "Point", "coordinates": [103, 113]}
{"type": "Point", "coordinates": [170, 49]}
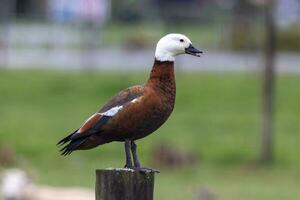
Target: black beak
{"type": "Point", "coordinates": [193, 51]}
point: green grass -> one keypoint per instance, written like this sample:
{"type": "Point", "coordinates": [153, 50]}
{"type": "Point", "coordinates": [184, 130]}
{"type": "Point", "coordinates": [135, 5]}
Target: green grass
{"type": "Point", "coordinates": [217, 116]}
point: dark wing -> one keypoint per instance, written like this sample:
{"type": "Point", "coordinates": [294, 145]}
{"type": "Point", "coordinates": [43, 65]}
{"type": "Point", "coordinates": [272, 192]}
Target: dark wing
{"type": "Point", "coordinates": [123, 97]}
{"type": "Point", "coordinates": [94, 124]}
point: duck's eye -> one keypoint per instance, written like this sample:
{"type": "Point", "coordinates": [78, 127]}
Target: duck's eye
{"type": "Point", "coordinates": [181, 40]}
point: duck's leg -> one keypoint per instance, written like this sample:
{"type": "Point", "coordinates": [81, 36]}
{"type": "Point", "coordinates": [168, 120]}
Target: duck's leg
{"type": "Point", "coordinates": [128, 155]}
{"type": "Point", "coordinates": [136, 161]}
{"type": "Point", "coordinates": [137, 164]}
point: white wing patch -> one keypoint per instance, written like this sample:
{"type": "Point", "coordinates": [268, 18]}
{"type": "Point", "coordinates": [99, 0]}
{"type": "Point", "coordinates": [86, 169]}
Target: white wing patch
{"type": "Point", "coordinates": [111, 112]}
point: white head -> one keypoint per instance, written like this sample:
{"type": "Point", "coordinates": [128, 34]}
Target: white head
{"type": "Point", "coordinates": [172, 45]}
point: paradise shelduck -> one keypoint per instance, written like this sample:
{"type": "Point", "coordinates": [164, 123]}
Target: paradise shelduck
{"type": "Point", "coordinates": [136, 111]}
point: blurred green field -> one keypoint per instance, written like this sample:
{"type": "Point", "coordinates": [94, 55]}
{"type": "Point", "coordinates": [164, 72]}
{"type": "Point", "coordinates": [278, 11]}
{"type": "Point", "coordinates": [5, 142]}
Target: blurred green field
{"type": "Point", "coordinates": [143, 35]}
{"type": "Point", "coordinates": [217, 116]}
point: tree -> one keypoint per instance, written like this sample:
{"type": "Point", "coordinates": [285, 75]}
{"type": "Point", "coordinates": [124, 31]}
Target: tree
{"type": "Point", "coordinates": [268, 84]}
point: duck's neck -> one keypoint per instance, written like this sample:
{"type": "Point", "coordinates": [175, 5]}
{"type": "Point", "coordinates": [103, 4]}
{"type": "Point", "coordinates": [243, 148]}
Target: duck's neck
{"type": "Point", "coordinates": [162, 76]}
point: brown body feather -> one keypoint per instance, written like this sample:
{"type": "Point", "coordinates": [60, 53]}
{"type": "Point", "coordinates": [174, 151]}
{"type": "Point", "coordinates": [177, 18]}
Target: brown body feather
{"type": "Point", "coordinates": [145, 109]}
{"type": "Point", "coordinates": [150, 111]}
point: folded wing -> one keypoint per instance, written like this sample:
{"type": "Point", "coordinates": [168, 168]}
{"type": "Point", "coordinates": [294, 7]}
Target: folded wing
{"type": "Point", "coordinates": [93, 125]}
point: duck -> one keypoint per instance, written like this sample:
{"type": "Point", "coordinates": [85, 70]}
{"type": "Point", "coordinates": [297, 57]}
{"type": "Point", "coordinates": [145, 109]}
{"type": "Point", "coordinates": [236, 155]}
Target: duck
{"type": "Point", "coordinates": [137, 111]}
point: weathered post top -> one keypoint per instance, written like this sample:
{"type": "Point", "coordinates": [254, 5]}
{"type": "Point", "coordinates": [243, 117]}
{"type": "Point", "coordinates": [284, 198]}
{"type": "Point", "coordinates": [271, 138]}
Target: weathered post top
{"type": "Point", "coordinates": [124, 184]}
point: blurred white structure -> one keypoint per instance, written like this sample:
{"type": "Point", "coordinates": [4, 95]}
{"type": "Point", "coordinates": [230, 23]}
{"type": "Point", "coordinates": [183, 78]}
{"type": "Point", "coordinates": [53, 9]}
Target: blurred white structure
{"type": "Point", "coordinates": [16, 185]}
{"type": "Point", "coordinates": [288, 12]}
{"type": "Point", "coordinates": [96, 11]}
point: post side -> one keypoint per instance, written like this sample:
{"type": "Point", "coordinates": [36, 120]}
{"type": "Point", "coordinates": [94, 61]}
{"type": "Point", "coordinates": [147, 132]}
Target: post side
{"type": "Point", "coordinates": [124, 184]}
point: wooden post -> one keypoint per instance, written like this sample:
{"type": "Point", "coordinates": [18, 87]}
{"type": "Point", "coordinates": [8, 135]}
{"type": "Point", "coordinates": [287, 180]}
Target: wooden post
{"type": "Point", "coordinates": [124, 184]}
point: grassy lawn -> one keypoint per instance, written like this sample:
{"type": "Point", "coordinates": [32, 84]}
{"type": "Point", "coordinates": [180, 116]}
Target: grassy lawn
{"type": "Point", "coordinates": [217, 116]}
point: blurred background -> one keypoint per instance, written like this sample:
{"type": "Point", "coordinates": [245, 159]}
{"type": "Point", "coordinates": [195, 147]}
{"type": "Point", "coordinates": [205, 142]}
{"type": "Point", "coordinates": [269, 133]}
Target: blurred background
{"type": "Point", "coordinates": [235, 130]}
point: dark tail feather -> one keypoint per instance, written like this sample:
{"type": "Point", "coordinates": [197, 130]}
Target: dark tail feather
{"type": "Point", "coordinates": [72, 146]}
{"type": "Point", "coordinates": [66, 150]}
{"type": "Point", "coordinates": [66, 139]}
{"type": "Point", "coordinates": [76, 139]}
{"type": "Point", "coordinates": [75, 142]}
